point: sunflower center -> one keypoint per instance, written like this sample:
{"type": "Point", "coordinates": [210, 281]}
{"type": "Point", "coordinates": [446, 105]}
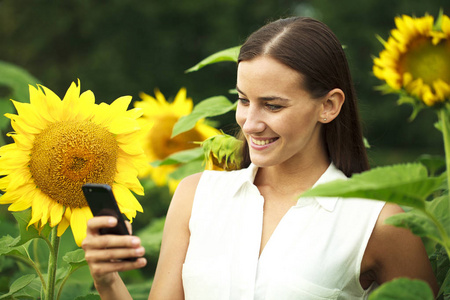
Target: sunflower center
{"type": "Point", "coordinates": [162, 145]}
{"type": "Point", "coordinates": [68, 154]}
{"type": "Point", "coordinates": [427, 61]}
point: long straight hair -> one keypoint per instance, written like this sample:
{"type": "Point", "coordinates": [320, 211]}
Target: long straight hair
{"type": "Point", "coordinates": [311, 48]}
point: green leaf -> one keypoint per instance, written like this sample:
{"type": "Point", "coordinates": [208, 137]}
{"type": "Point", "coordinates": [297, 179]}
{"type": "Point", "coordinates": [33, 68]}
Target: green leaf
{"type": "Point", "coordinates": [75, 258]}
{"type": "Point", "coordinates": [440, 263]}
{"type": "Point", "coordinates": [79, 282]}
{"type": "Point", "coordinates": [402, 289]}
{"type": "Point", "coordinates": [17, 79]}
{"type": "Point", "coordinates": [445, 287]}
{"type": "Point", "coordinates": [405, 184]}
{"type": "Point", "coordinates": [8, 247]}
{"type": "Point", "coordinates": [18, 285]}
{"type": "Point", "coordinates": [192, 167]}
{"type": "Point", "coordinates": [419, 224]}
{"type": "Point", "coordinates": [437, 26]}
{"type": "Point", "coordinates": [210, 107]}
{"type": "Point", "coordinates": [31, 232]}
{"type": "Point", "coordinates": [440, 208]}
{"type": "Point", "coordinates": [434, 163]}
{"type": "Point", "coordinates": [184, 156]}
{"type": "Point", "coordinates": [230, 54]}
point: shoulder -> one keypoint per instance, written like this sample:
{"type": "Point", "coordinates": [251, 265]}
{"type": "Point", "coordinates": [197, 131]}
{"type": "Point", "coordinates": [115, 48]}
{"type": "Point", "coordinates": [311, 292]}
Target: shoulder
{"type": "Point", "coordinates": [185, 192]}
{"type": "Point", "coordinates": [397, 252]}
{"type": "Point", "coordinates": [182, 201]}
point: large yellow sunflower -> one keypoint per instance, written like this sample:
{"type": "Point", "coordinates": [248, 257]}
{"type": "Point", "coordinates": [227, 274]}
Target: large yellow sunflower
{"type": "Point", "coordinates": [416, 58]}
{"type": "Point", "coordinates": [60, 145]}
{"type": "Point", "coordinates": [159, 118]}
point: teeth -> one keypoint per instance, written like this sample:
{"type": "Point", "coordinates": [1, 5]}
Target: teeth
{"type": "Point", "coordinates": [262, 142]}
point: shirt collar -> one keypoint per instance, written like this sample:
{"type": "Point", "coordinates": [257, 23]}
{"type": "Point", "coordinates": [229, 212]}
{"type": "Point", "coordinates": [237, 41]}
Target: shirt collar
{"type": "Point", "coordinates": [331, 174]}
{"type": "Point", "coordinates": [247, 177]}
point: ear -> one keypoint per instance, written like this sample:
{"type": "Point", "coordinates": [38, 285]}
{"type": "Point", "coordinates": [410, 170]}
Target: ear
{"type": "Point", "coordinates": [331, 105]}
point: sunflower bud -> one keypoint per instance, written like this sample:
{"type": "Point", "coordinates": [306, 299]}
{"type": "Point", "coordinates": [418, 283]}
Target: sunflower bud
{"type": "Point", "coordinates": [222, 152]}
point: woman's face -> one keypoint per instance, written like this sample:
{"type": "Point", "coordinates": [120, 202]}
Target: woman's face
{"type": "Point", "coordinates": [279, 119]}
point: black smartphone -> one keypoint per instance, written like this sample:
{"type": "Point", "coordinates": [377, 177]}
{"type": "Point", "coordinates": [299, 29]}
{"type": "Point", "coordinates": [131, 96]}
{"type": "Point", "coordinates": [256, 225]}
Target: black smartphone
{"type": "Point", "coordinates": [102, 202]}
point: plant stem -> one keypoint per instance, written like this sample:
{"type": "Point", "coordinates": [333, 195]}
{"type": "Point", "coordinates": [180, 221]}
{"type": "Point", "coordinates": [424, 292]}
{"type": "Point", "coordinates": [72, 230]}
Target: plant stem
{"type": "Point", "coordinates": [52, 264]}
{"type": "Point", "coordinates": [445, 123]}
{"type": "Point", "coordinates": [444, 117]}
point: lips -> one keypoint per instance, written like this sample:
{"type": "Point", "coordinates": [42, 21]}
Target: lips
{"type": "Point", "coordinates": [262, 142]}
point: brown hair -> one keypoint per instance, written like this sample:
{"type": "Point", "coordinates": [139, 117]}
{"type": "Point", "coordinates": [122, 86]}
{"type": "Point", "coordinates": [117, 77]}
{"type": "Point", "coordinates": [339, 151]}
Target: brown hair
{"type": "Point", "coordinates": [311, 48]}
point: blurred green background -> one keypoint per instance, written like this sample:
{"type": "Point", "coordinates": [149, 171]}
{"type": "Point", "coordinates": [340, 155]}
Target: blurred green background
{"type": "Point", "coordinates": [124, 47]}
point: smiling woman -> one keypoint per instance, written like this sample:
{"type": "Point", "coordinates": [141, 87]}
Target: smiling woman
{"type": "Point", "coordinates": [246, 234]}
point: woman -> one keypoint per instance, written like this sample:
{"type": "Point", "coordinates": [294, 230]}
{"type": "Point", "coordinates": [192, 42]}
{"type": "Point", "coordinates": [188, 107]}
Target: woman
{"type": "Point", "coordinates": [246, 234]}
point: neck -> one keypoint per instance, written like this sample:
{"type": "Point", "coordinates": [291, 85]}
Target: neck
{"type": "Point", "coordinates": [291, 178]}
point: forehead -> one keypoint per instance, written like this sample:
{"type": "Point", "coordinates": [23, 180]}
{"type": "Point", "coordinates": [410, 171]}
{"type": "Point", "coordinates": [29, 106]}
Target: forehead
{"type": "Point", "coordinates": [267, 73]}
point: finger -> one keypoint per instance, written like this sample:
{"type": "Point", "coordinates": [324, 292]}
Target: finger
{"type": "Point", "coordinates": [129, 227]}
{"type": "Point", "coordinates": [99, 269]}
{"type": "Point", "coordinates": [94, 224]}
{"type": "Point", "coordinates": [110, 241]}
{"type": "Point", "coordinates": [94, 256]}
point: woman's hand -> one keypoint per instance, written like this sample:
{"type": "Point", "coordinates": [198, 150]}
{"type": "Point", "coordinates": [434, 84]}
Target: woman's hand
{"type": "Point", "coordinates": [105, 253]}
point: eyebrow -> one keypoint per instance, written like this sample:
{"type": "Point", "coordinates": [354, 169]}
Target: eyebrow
{"type": "Point", "coordinates": [267, 98]}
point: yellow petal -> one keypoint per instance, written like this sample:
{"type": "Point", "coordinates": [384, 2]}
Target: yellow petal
{"type": "Point", "coordinates": [125, 198]}
{"type": "Point", "coordinates": [78, 223]}
{"type": "Point", "coordinates": [40, 203]}
{"type": "Point", "coordinates": [56, 214]}
{"type": "Point", "coordinates": [23, 203]}
{"type": "Point", "coordinates": [19, 177]}
{"type": "Point", "coordinates": [122, 125]}
{"type": "Point", "coordinates": [130, 182]}
{"type": "Point", "coordinates": [54, 104]}
{"type": "Point", "coordinates": [23, 142]}
{"type": "Point", "coordinates": [40, 103]}
{"type": "Point", "coordinates": [65, 222]}
{"type": "Point", "coordinates": [29, 115]}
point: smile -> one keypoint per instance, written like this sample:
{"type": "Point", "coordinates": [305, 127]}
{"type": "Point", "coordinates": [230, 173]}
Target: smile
{"type": "Point", "coordinates": [263, 142]}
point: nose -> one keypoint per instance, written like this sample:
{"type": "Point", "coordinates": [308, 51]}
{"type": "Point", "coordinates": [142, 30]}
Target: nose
{"type": "Point", "coordinates": [250, 119]}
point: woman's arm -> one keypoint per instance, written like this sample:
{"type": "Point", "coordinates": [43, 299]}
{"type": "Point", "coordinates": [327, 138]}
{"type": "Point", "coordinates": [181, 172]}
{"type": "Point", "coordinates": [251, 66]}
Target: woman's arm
{"type": "Point", "coordinates": [167, 283]}
{"type": "Point", "coordinates": [103, 254]}
{"type": "Point", "coordinates": [396, 252]}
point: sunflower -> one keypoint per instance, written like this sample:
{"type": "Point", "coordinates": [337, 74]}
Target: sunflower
{"type": "Point", "coordinates": [61, 144]}
{"type": "Point", "coordinates": [159, 119]}
{"type": "Point", "coordinates": [416, 58]}
{"type": "Point", "coordinates": [222, 152]}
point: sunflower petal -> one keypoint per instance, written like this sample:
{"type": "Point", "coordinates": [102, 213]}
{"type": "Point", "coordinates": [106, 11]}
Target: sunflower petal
{"type": "Point", "coordinates": [125, 198]}
{"type": "Point", "coordinates": [65, 222]}
{"type": "Point", "coordinates": [78, 223]}
{"type": "Point", "coordinates": [56, 214]}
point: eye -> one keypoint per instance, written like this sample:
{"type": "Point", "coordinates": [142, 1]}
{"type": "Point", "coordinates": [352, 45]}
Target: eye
{"type": "Point", "coordinates": [243, 101]}
{"type": "Point", "coordinates": [273, 107]}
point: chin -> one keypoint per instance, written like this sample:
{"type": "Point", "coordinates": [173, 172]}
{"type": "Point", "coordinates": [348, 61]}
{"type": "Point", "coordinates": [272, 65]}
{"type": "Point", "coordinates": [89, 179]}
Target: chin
{"type": "Point", "coordinates": [262, 162]}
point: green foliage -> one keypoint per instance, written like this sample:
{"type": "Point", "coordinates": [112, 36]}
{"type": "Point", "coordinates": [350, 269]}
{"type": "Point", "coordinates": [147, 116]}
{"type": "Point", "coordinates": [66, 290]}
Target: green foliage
{"type": "Point", "coordinates": [14, 81]}
{"type": "Point", "coordinates": [406, 184]}
{"type": "Point", "coordinates": [210, 107]}
{"type": "Point", "coordinates": [25, 249]}
{"type": "Point", "coordinates": [230, 54]}
{"type": "Point", "coordinates": [151, 236]}
{"type": "Point", "coordinates": [17, 287]}
{"type": "Point", "coordinates": [402, 289]}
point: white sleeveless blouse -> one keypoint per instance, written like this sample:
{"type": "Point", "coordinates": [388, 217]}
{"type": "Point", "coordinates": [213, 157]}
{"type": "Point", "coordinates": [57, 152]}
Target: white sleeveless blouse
{"type": "Point", "coordinates": [314, 253]}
